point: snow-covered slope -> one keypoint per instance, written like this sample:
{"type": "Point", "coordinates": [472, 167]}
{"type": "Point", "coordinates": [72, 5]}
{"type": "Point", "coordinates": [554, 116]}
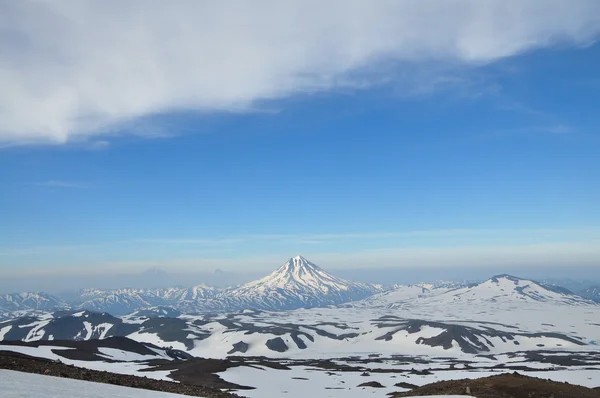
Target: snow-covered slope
{"type": "Point", "coordinates": [507, 288]}
{"type": "Point", "coordinates": [500, 290]}
{"type": "Point", "coordinates": [400, 293]}
{"type": "Point", "coordinates": [432, 328]}
{"type": "Point", "coordinates": [28, 385]}
{"type": "Point", "coordinates": [63, 325]}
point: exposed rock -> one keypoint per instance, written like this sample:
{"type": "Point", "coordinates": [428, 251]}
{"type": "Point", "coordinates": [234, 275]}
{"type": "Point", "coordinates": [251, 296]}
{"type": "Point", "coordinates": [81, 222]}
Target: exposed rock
{"type": "Point", "coordinates": [405, 385]}
{"type": "Point", "coordinates": [239, 347]}
{"type": "Point", "coordinates": [374, 384]}
{"type": "Point", "coordinates": [276, 344]}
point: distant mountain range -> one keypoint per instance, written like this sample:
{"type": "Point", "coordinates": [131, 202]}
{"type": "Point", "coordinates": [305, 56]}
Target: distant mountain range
{"type": "Point", "coordinates": [500, 289]}
{"type": "Point", "coordinates": [592, 293]}
{"type": "Point", "coordinates": [577, 286]}
{"type": "Point", "coordinates": [296, 284]}
{"type": "Point", "coordinates": [29, 301]}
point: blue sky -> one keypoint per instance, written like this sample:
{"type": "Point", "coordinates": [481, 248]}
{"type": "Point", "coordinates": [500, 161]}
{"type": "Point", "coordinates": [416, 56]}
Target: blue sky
{"type": "Point", "coordinates": [433, 160]}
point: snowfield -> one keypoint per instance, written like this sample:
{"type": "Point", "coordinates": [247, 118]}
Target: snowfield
{"type": "Point", "coordinates": [28, 385]}
{"type": "Point", "coordinates": [303, 382]}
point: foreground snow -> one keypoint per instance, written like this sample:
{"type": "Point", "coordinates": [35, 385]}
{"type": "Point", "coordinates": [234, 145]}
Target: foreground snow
{"type": "Point", "coordinates": [28, 385]}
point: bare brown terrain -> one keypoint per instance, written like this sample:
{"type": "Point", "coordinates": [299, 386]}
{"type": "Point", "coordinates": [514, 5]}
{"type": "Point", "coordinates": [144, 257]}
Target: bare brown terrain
{"type": "Point", "coordinates": [511, 385]}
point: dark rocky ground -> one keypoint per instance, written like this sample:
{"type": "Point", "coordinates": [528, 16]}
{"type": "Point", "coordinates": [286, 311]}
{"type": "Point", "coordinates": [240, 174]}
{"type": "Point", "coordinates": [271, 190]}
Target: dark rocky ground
{"type": "Point", "coordinates": [24, 363]}
{"type": "Point", "coordinates": [511, 385]}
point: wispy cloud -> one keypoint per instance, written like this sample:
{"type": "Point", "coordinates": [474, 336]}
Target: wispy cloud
{"type": "Point", "coordinates": [99, 145]}
{"type": "Point", "coordinates": [334, 237]}
{"type": "Point", "coordinates": [262, 252]}
{"type": "Point", "coordinates": [266, 50]}
{"type": "Point", "coordinates": [558, 130]}
{"type": "Point", "coordinates": [543, 255]}
{"type": "Point", "coordinates": [542, 122]}
{"type": "Point", "coordinates": [522, 108]}
{"type": "Point", "coordinates": [270, 241]}
{"type": "Point", "coordinates": [62, 184]}
{"type": "Point", "coordinates": [306, 238]}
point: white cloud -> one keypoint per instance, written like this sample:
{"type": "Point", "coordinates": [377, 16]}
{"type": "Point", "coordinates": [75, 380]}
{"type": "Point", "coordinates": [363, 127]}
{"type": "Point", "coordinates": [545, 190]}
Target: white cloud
{"type": "Point", "coordinates": [70, 70]}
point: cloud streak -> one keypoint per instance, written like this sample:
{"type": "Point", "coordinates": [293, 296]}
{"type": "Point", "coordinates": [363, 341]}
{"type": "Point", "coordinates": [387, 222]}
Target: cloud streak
{"type": "Point", "coordinates": [61, 184]}
{"type": "Point", "coordinates": [72, 70]}
{"type": "Point", "coordinates": [566, 255]}
{"type": "Point", "coordinates": [401, 240]}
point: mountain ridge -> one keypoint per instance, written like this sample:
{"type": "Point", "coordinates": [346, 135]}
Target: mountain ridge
{"type": "Point", "coordinates": [592, 293]}
{"type": "Point", "coordinates": [499, 288]}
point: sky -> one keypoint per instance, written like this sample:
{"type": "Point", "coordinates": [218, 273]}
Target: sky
{"type": "Point", "coordinates": [189, 136]}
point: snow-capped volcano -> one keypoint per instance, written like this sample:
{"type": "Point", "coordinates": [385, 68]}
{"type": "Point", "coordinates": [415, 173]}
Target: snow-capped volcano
{"type": "Point", "coordinates": [300, 283]}
{"type": "Point", "coordinates": [300, 274]}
